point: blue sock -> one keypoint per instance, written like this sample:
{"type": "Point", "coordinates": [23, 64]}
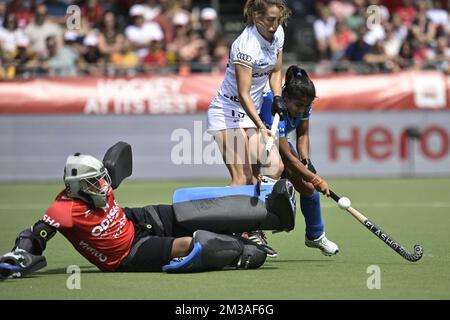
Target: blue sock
{"type": "Point", "coordinates": [310, 206]}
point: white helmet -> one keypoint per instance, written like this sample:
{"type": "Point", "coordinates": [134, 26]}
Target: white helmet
{"type": "Point", "coordinates": [86, 178]}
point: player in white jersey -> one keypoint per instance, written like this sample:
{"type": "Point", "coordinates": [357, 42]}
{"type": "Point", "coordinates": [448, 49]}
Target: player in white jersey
{"type": "Point", "coordinates": [255, 59]}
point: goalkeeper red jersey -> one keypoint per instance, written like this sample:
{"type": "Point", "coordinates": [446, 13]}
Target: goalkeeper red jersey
{"type": "Point", "coordinates": [103, 236]}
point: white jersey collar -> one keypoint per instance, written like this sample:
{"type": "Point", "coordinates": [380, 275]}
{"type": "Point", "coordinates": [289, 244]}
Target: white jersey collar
{"type": "Point", "coordinates": [260, 37]}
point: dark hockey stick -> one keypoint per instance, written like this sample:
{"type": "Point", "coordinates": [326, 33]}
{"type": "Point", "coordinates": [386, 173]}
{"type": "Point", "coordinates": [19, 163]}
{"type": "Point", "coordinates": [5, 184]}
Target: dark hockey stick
{"type": "Point", "coordinates": [394, 245]}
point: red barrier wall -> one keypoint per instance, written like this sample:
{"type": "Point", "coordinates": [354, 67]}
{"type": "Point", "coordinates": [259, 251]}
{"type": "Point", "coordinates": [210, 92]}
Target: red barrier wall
{"type": "Point", "coordinates": [191, 94]}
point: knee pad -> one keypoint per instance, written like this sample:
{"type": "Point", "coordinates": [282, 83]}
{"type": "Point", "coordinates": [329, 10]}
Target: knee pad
{"type": "Point", "coordinates": [281, 202]}
{"type": "Point", "coordinates": [214, 251]}
{"type": "Point", "coordinates": [252, 257]}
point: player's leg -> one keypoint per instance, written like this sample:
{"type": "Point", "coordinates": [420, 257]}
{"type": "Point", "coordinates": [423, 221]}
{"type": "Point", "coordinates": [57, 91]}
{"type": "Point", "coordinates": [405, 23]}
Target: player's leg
{"type": "Point", "coordinates": [270, 166]}
{"type": "Point", "coordinates": [234, 147]}
{"type": "Point", "coordinates": [181, 247]}
{"type": "Point", "coordinates": [312, 213]}
{"type": "Point", "coordinates": [212, 251]}
{"type": "Point", "coordinates": [228, 210]}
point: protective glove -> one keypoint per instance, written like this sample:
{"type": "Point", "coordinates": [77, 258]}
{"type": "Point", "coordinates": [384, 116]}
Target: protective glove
{"type": "Point", "coordinates": [279, 106]}
{"type": "Point", "coordinates": [19, 263]}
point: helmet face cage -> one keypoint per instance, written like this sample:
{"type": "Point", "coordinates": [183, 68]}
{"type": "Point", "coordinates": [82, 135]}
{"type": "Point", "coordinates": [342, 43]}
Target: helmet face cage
{"type": "Point", "coordinates": [94, 190]}
{"type": "Point", "coordinates": [96, 186]}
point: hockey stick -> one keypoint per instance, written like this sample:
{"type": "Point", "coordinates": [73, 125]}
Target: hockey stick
{"type": "Point", "coordinates": [273, 130]}
{"type": "Point", "coordinates": [394, 245]}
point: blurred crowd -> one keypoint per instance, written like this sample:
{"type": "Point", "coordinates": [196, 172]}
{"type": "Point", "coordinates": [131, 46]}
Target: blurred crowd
{"type": "Point", "coordinates": [412, 35]}
{"type": "Point", "coordinates": [108, 38]}
{"type": "Point", "coordinates": [126, 37]}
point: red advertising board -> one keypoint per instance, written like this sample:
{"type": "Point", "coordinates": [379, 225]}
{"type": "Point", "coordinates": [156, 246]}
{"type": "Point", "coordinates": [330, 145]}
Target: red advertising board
{"type": "Point", "coordinates": [191, 94]}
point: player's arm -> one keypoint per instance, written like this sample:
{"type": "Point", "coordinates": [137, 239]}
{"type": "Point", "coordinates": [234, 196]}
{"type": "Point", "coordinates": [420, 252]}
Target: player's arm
{"type": "Point", "coordinates": [294, 165]}
{"type": "Point", "coordinates": [303, 140]}
{"type": "Point", "coordinates": [26, 256]}
{"type": "Point", "coordinates": [276, 76]}
{"type": "Point", "coordinates": [244, 83]}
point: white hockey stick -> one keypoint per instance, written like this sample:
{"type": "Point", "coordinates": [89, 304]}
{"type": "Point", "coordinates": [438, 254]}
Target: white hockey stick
{"type": "Point", "coordinates": [273, 130]}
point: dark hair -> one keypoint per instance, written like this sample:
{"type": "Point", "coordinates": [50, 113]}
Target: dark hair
{"type": "Point", "coordinates": [260, 6]}
{"type": "Point", "coordinates": [298, 85]}
{"type": "Point", "coordinates": [6, 21]}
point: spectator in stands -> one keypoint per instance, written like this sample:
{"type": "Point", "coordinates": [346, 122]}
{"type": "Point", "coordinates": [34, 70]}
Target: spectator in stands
{"type": "Point", "coordinates": [407, 12]}
{"type": "Point", "coordinates": [10, 34]}
{"type": "Point", "coordinates": [110, 39]}
{"type": "Point", "coordinates": [421, 54]}
{"type": "Point", "coordinates": [356, 51]}
{"type": "Point", "coordinates": [22, 10]}
{"type": "Point", "coordinates": [56, 10]}
{"type": "Point", "coordinates": [423, 28]}
{"type": "Point", "coordinates": [181, 35]}
{"type": "Point", "coordinates": [217, 48]}
{"type": "Point", "coordinates": [342, 9]}
{"type": "Point", "coordinates": [405, 57]}
{"type": "Point", "coordinates": [59, 61]}
{"type": "Point", "coordinates": [141, 33]}
{"type": "Point", "coordinates": [378, 60]}
{"type": "Point", "coordinates": [152, 9]}
{"type": "Point", "coordinates": [41, 28]}
{"type": "Point", "coordinates": [439, 16]}
{"type": "Point", "coordinates": [209, 28]}
{"type": "Point", "coordinates": [157, 59]}
{"type": "Point", "coordinates": [400, 30]}
{"type": "Point", "coordinates": [440, 58]}
{"type": "Point", "coordinates": [125, 61]}
{"type": "Point", "coordinates": [392, 43]}
{"type": "Point", "coordinates": [358, 18]}
{"type": "Point", "coordinates": [324, 28]}
{"type": "Point", "coordinates": [93, 11]}
{"type": "Point", "coordinates": [25, 61]}
{"type": "Point", "coordinates": [195, 53]}
{"type": "Point", "coordinates": [92, 62]}
{"type": "Point", "coordinates": [340, 40]}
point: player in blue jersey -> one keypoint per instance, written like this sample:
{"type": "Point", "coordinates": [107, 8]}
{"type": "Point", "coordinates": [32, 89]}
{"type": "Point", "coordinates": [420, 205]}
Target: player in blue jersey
{"type": "Point", "coordinates": [299, 93]}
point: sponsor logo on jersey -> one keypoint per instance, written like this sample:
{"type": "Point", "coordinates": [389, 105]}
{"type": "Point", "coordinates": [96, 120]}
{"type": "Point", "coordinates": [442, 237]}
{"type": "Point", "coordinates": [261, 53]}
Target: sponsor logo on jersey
{"type": "Point", "coordinates": [232, 98]}
{"type": "Point", "coordinates": [261, 74]}
{"type": "Point", "coordinates": [244, 57]}
{"type": "Point", "coordinates": [261, 63]}
{"type": "Point", "coordinates": [107, 222]}
{"type": "Point", "coordinates": [50, 221]}
{"type": "Point", "coordinates": [100, 256]}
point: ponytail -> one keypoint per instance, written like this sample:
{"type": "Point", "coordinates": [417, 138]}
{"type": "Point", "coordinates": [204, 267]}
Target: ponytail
{"type": "Point", "coordinates": [298, 84]}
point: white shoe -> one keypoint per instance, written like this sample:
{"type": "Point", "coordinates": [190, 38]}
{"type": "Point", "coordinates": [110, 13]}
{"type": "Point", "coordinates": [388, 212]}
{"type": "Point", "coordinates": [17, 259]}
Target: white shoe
{"type": "Point", "coordinates": [327, 247]}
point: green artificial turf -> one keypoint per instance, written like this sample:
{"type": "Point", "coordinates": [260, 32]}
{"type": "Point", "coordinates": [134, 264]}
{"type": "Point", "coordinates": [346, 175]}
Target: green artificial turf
{"type": "Point", "coordinates": [410, 210]}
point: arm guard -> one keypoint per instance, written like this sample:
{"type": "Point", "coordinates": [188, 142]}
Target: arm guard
{"type": "Point", "coordinates": [34, 240]}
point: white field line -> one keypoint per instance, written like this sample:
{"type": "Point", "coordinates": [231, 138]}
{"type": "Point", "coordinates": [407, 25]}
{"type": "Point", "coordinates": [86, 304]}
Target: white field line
{"type": "Point", "coordinates": [324, 203]}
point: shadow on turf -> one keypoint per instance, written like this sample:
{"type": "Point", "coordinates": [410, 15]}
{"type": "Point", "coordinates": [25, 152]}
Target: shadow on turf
{"type": "Point", "coordinates": [301, 261]}
{"type": "Point", "coordinates": [64, 271]}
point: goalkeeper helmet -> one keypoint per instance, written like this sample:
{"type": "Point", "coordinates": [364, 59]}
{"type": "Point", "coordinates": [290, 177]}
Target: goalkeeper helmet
{"type": "Point", "coordinates": [86, 178]}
